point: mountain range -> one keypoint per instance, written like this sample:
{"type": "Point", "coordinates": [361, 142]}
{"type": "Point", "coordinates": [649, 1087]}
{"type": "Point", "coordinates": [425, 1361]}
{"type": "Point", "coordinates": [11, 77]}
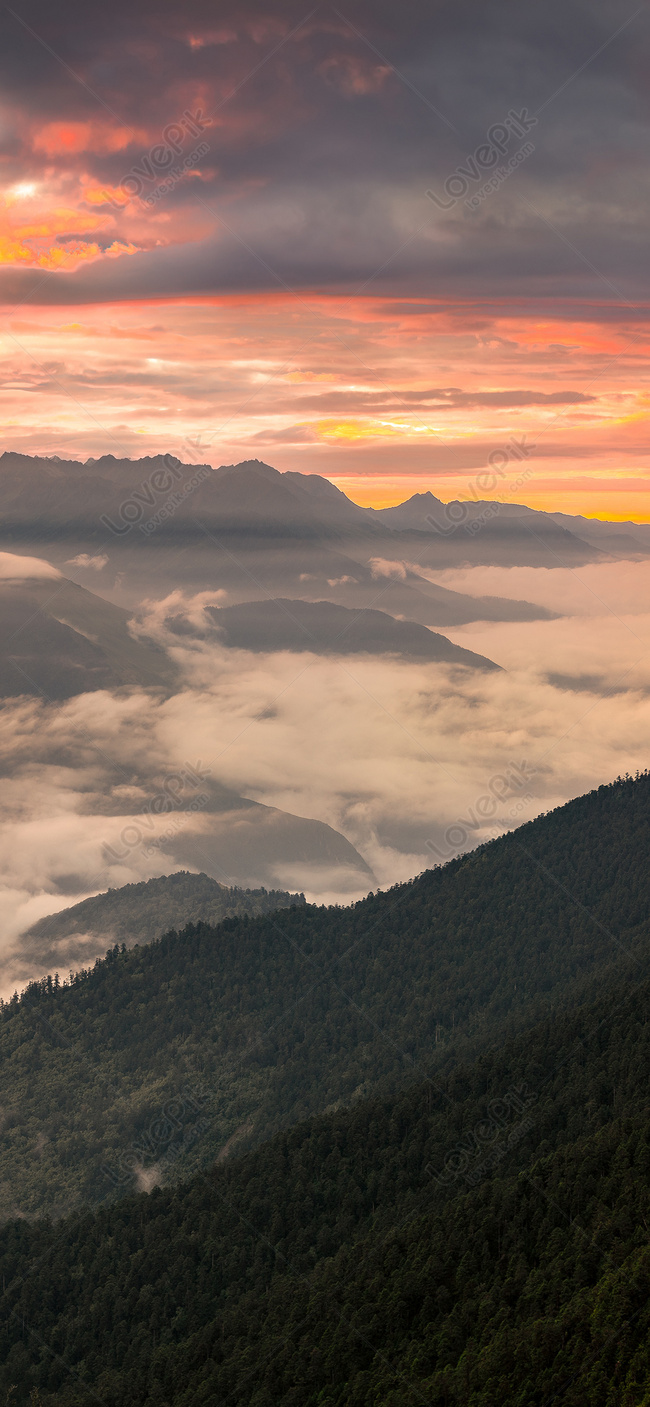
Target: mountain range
{"type": "Point", "coordinates": [258, 537]}
{"type": "Point", "coordinates": [58, 639]}
{"type": "Point", "coordinates": [53, 497]}
{"type": "Point", "coordinates": [423, 512]}
{"type": "Point", "coordinates": [254, 532]}
{"type": "Point", "coordinates": [250, 560]}
{"type": "Point", "coordinates": [262, 539]}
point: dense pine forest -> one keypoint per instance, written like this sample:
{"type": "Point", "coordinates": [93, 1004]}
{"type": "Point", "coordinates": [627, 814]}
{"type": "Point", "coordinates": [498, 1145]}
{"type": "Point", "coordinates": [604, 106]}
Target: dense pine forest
{"type": "Point", "coordinates": [485, 1240]}
{"type": "Point", "coordinates": [462, 1217]}
{"type": "Point", "coordinates": [285, 1015]}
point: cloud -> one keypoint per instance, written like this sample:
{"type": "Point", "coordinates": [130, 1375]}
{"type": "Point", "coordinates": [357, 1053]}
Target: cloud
{"type": "Point", "coordinates": [94, 564]}
{"type": "Point", "coordinates": [70, 138]}
{"type": "Point", "coordinates": [136, 384]}
{"type": "Point", "coordinates": [380, 568]}
{"type": "Point", "coordinates": [610, 590]}
{"type": "Point", "coordinates": [354, 75]}
{"type": "Point", "coordinates": [321, 151]}
{"type": "Point", "coordinates": [405, 751]}
{"type": "Point", "coordinates": [15, 568]}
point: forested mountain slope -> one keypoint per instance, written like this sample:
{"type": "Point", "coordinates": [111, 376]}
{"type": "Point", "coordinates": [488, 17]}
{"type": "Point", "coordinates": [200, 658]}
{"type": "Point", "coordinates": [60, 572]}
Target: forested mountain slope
{"type": "Point", "coordinates": [137, 913]}
{"type": "Point", "coordinates": [284, 1015]}
{"type": "Point", "coordinates": [481, 1239]}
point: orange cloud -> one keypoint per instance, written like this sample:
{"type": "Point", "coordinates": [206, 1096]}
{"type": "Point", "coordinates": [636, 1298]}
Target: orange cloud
{"type": "Point", "coordinates": [365, 429]}
{"type": "Point", "coordinates": [39, 242]}
{"type": "Point", "coordinates": [62, 221]}
{"type": "Point", "coordinates": [346, 430]}
{"type": "Point", "coordinates": [69, 138]}
{"type": "Point", "coordinates": [13, 251]}
{"type": "Point", "coordinates": [58, 256]}
{"type": "Point", "coordinates": [299, 377]}
{"type": "Point", "coordinates": [275, 354]}
{"type": "Point", "coordinates": [105, 195]}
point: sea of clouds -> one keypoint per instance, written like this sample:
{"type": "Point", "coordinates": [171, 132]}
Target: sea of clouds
{"type": "Point", "coordinates": [412, 762]}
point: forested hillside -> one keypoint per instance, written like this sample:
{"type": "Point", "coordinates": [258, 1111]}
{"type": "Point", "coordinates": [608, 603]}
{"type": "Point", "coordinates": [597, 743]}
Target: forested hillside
{"type": "Point", "coordinates": [483, 1240]}
{"type": "Point", "coordinates": [137, 913]}
{"type": "Point", "coordinates": [261, 1022]}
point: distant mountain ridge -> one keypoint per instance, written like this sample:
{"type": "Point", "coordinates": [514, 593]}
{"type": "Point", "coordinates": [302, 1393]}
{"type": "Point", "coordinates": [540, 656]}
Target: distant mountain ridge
{"type": "Point", "coordinates": [44, 498]}
{"type": "Point", "coordinates": [138, 913]}
{"type": "Point", "coordinates": [325, 628]}
{"type": "Point", "coordinates": [251, 531]}
{"type": "Point", "coordinates": [58, 639]}
{"type": "Point", "coordinates": [423, 512]}
{"type": "Point", "coordinates": [245, 497]}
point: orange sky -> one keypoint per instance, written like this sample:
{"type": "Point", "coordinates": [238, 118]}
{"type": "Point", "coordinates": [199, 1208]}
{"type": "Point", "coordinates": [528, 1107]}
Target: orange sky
{"type": "Point", "coordinates": [387, 340]}
{"type": "Point", "coordinates": [386, 398]}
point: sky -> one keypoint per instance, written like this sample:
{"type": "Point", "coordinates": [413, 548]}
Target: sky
{"type": "Point", "coordinates": [379, 243]}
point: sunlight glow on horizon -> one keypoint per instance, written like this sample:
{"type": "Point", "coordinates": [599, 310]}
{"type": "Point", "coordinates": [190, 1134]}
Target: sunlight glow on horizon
{"type": "Point", "coordinates": [396, 408]}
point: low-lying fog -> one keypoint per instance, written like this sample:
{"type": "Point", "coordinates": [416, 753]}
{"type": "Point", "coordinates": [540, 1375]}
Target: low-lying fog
{"type": "Point", "coordinates": [411, 762]}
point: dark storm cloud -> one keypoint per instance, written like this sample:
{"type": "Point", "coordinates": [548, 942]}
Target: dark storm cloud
{"type": "Point", "coordinates": [327, 131]}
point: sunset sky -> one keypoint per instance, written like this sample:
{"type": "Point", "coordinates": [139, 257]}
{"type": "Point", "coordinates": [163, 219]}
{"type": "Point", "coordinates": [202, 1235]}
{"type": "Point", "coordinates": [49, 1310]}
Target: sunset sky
{"type": "Point", "coordinates": [216, 240]}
